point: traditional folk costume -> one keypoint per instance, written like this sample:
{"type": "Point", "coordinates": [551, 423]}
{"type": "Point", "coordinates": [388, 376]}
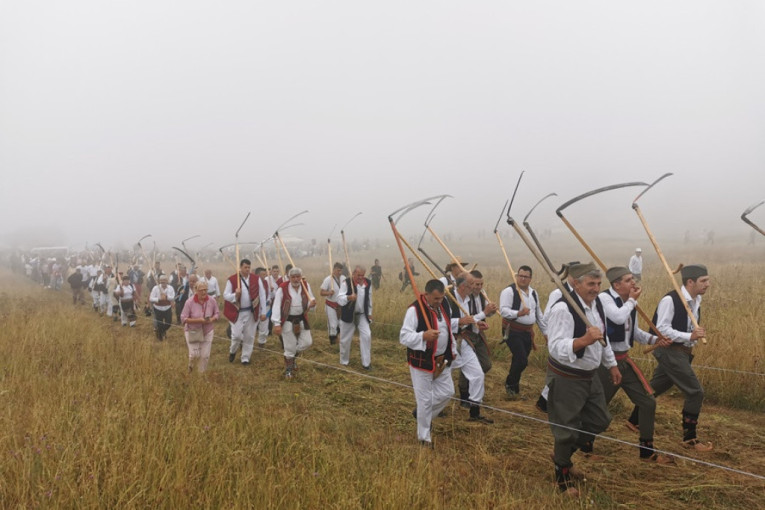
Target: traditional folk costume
{"type": "Point", "coordinates": [102, 287]}
{"type": "Point", "coordinates": [476, 307]}
{"type": "Point", "coordinates": [290, 311]}
{"type": "Point", "coordinates": [114, 303]}
{"type": "Point", "coordinates": [163, 308]}
{"type": "Point", "coordinates": [518, 331]}
{"type": "Point", "coordinates": [355, 314]}
{"type": "Point", "coordinates": [470, 367]}
{"type": "Point", "coordinates": [182, 292]}
{"type": "Point", "coordinates": [576, 397]}
{"type": "Point", "coordinates": [429, 367]}
{"type": "Point", "coordinates": [331, 306]}
{"type": "Point", "coordinates": [245, 314]}
{"type": "Point", "coordinates": [553, 298]}
{"type": "Point", "coordinates": [674, 362]}
{"type": "Point", "coordinates": [93, 273]}
{"type": "Point", "coordinates": [126, 295]}
{"type": "Point", "coordinates": [623, 330]}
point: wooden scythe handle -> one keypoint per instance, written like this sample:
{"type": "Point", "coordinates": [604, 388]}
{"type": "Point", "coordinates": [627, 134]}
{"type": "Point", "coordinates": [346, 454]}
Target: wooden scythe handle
{"type": "Point", "coordinates": [279, 256]}
{"type": "Point", "coordinates": [302, 280]}
{"type": "Point", "coordinates": [329, 252]}
{"type": "Point", "coordinates": [409, 272]}
{"type": "Point", "coordinates": [453, 257]}
{"type": "Point", "coordinates": [510, 267]}
{"type": "Point", "coordinates": [348, 264]}
{"type": "Point", "coordinates": [667, 268]}
{"type": "Point", "coordinates": [433, 275]}
{"type": "Point", "coordinates": [555, 280]}
{"type": "Point", "coordinates": [603, 267]}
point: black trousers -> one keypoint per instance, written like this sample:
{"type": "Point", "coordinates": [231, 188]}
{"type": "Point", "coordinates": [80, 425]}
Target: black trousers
{"type": "Point", "coordinates": [519, 343]}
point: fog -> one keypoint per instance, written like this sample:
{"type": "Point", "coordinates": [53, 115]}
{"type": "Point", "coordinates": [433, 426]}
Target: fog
{"type": "Point", "coordinates": [170, 118]}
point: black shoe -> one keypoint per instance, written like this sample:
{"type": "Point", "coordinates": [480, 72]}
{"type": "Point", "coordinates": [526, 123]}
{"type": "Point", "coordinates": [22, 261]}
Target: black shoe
{"type": "Point", "coordinates": [245, 362]}
{"type": "Point", "coordinates": [367, 367]}
{"type": "Point", "coordinates": [542, 404]}
{"type": "Point", "coordinates": [414, 413]}
{"type": "Point", "coordinates": [465, 404]}
{"type": "Point", "coordinates": [231, 357]}
{"type": "Point", "coordinates": [426, 444]}
{"type": "Point", "coordinates": [481, 419]}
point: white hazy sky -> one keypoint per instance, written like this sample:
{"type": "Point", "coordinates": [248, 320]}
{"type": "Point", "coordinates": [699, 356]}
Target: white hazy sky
{"type": "Point", "coordinates": [175, 118]}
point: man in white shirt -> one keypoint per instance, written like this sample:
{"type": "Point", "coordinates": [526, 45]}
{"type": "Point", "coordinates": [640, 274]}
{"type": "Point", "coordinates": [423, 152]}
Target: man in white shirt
{"type": "Point", "coordinates": [330, 290]}
{"type": "Point", "coordinates": [289, 314]}
{"type": "Point", "coordinates": [466, 329]}
{"type": "Point", "coordinates": [674, 362]}
{"type": "Point", "coordinates": [427, 335]}
{"type": "Point", "coordinates": [355, 300]}
{"type": "Point", "coordinates": [244, 306]}
{"type": "Point", "coordinates": [576, 398]}
{"type": "Point", "coordinates": [213, 289]}
{"type": "Point", "coordinates": [520, 310]}
{"type": "Point", "coordinates": [620, 306]}
{"type": "Point", "coordinates": [636, 264]}
{"type": "Point", "coordinates": [161, 299]}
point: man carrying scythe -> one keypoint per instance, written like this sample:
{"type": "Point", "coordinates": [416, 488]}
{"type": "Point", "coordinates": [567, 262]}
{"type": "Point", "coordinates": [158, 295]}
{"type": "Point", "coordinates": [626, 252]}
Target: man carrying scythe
{"type": "Point", "coordinates": [674, 361]}
{"type": "Point", "coordinates": [576, 398]}
{"type": "Point", "coordinates": [619, 304]}
{"type": "Point", "coordinates": [330, 291]}
{"type": "Point", "coordinates": [245, 304]}
{"type": "Point", "coordinates": [289, 314]}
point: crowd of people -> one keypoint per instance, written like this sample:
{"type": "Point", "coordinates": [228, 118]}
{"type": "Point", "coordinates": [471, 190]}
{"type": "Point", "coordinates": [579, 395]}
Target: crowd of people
{"type": "Point", "coordinates": [589, 332]}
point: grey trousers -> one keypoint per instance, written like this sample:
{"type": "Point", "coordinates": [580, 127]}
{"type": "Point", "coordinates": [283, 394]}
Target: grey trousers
{"type": "Point", "coordinates": [674, 368]}
{"type": "Point", "coordinates": [634, 389]}
{"type": "Point", "coordinates": [577, 403]}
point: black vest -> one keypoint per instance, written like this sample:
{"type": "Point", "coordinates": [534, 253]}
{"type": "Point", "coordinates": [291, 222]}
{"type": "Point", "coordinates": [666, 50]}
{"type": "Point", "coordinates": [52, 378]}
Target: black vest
{"type": "Point", "coordinates": [426, 360]}
{"type": "Point", "coordinates": [616, 331]}
{"type": "Point", "coordinates": [346, 314]}
{"type": "Point", "coordinates": [516, 305]}
{"type": "Point", "coordinates": [680, 318]}
{"type": "Point", "coordinates": [580, 328]}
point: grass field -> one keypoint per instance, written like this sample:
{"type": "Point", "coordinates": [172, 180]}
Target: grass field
{"type": "Point", "coordinates": [100, 416]}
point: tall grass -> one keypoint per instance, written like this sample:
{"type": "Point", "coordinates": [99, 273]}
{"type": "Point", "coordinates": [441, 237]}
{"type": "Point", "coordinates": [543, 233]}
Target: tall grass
{"type": "Point", "coordinates": [101, 416]}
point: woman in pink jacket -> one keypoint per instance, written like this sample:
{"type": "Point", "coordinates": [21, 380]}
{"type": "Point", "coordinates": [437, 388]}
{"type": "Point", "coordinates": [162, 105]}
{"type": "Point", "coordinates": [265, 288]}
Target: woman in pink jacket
{"type": "Point", "coordinates": [198, 317]}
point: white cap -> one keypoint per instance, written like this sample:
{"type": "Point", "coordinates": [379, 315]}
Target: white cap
{"type": "Point", "coordinates": [638, 250]}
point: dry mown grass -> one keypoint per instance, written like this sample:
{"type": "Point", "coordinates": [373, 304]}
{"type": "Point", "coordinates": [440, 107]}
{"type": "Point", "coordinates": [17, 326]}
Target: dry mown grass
{"type": "Point", "coordinates": [102, 416]}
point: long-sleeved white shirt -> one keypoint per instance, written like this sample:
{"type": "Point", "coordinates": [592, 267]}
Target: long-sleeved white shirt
{"type": "Point", "coordinates": [465, 303]}
{"type": "Point", "coordinates": [361, 291]}
{"type": "Point", "coordinates": [296, 305]}
{"type": "Point", "coordinates": [332, 283]}
{"type": "Point", "coordinates": [666, 311]}
{"type": "Point", "coordinates": [245, 302]}
{"type": "Point", "coordinates": [213, 288]}
{"type": "Point", "coordinates": [560, 339]}
{"type": "Point", "coordinates": [554, 296]}
{"type": "Point", "coordinates": [411, 338]}
{"type": "Point", "coordinates": [623, 316]}
{"type": "Point", "coordinates": [155, 294]}
{"type": "Point", "coordinates": [535, 311]}
{"type": "Point", "coordinates": [635, 265]}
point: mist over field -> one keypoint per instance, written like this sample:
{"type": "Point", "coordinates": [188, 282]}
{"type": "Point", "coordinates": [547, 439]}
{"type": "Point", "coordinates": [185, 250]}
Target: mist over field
{"type": "Point", "coordinates": [177, 118]}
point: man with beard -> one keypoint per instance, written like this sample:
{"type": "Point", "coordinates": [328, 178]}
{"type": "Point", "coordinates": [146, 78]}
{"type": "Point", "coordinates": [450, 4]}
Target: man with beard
{"type": "Point", "coordinates": [289, 314]}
